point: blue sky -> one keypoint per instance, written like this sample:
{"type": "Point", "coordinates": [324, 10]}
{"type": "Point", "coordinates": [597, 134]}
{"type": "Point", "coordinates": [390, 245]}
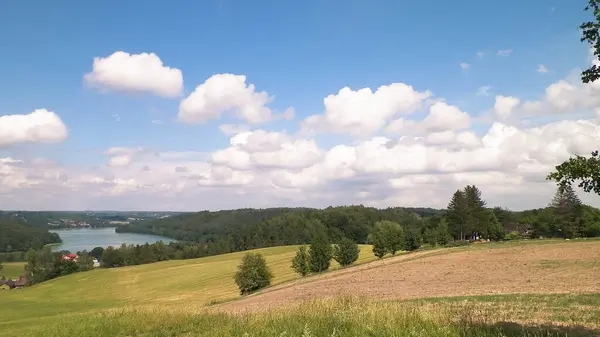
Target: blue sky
{"type": "Point", "coordinates": [297, 51]}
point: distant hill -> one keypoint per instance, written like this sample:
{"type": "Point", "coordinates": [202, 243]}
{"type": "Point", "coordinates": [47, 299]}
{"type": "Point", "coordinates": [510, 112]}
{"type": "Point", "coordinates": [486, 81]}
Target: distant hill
{"type": "Point", "coordinates": [17, 236]}
{"type": "Point", "coordinates": [243, 229]}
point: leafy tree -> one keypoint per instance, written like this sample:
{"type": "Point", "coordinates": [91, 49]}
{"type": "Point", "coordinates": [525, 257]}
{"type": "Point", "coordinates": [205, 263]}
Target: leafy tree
{"type": "Point", "coordinates": [253, 274]}
{"type": "Point", "coordinates": [579, 168]}
{"type": "Point", "coordinates": [567, 207]}
{"type": "Point", "coordinates": [591, 34]}
{"type": "Point", "coordinates": [393, 234]}
{"type": "Point", "coordinates": [112, 258]}
{"type": "Point", "coordinates": [300, 262]}
{"type": "Point", "coordinates": [411, 241]}
{"type": "Point", "coordinates": [320, 253]}
{"type": "Point", "coordinates": [442, 233]}
{"type": "Point", "coordinates": [85, 261]}
{"type": "Point", "coordinates": [346, 252]}
{"type": "Point", "coordinates": [97, 252]}
{"type": "Point", "coordinates": [377, 240]}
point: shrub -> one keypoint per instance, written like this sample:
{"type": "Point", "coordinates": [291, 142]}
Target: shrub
{"type": "Point", "coordinates": [320, 253]}
{"type": "Point", "coordinates": [411, 241]}
{"type": "Point", "coordinates": [456, 243]}
{"type": "Point", "coordinates": [253, 273]}
{"type": "Point", "coordinates": [386, 237]}
{"type": "Point", "coordinates": [346, 252]}
{"type": "Point", "coordinates": [514, 235]}
{"type": "Point", "coordinates": [300, 262]}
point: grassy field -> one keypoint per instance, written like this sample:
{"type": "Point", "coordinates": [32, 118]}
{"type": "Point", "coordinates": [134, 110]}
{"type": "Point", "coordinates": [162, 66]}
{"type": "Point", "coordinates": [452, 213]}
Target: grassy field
{"type": "Point", "coordinates": [191, 284]}
{"type": "Point", "coordinates": [12, 269]}
{"type": "Point", "coordinates": [194, 297]}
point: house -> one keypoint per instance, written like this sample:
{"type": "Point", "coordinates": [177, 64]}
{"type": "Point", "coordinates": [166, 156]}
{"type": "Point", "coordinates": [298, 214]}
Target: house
{"type": "Point", "coordinates": [10, 284]}
{"type": "Point", "coordinates": [21, 281]}
{"type": "Point", "coordinates": [70, 257]}
{"type": "Point", "coordinates": [96, 263]}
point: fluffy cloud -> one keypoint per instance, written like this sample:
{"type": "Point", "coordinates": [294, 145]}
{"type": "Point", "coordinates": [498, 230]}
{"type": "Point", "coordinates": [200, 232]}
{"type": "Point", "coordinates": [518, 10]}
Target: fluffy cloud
{"type": "Point", "coordinates": [40, 126]}
{"type": "Point", "coordinates": [410, 149]}
{"type": "Point", "coordinates": [364, 111]}
{"type": "Point", "coordinates": [227, 93]}
{"type": "Point", "coordinates": [143, 72]}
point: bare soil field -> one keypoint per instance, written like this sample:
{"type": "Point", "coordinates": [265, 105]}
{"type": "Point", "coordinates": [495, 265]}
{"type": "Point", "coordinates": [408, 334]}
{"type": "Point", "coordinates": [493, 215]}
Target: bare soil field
{"type": "Point", "coordinates": [532, 269]}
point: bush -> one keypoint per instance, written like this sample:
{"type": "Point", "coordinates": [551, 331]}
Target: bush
{"type": "Point", "coordinates": [411, 241]}
{"type": "Point", "coordinates": [456, 243]}
{"type": "Point", "coordinates": [346, 252]}
{"type": "Point", "coordinates": [300, 262]}
{"type": "Point", "coordinates": [253, 273]}
{"type": "Point", "coordinates": [514, 235]}
{"type": "Point", "coordinates": [320, 253]}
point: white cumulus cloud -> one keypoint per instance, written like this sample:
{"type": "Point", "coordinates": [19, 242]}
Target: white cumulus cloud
{"type": "Point", "coordinates": [143, 72]}
{"type": "Point", "coordinates": [40, 126]}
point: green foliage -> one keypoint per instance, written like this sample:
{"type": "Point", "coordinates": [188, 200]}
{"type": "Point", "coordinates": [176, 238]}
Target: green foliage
{"type": "Point", "coordinates": [85, 261]}
{"type": "Point", "coordinates": [300, 262]}
{"type": "Point", "coordinates": [456, 243]}
{"type": "Point", "coordinates": [456, 214]}
{"type": "Point", "coordinates": [112, 258]}
{"type": "Point", "coordinates": [386, 237]}
{"type": "Point", "coordinates": [43, 265]}
{"type": "Point", "coordinates": [320, 253]}
{"type": "Point", "coordinates": [412, 241]}
{"type": "Point", "coordinates": [579, 168]}
{"type": "Point", "coordinates": [514, 235]}
{"type": "Point", "coordinates": [97, 252]}
{"type": "Point", "coordinates": [15, 235]}
{"type": "Point", "coordinates": [467, 215]}
{"type": "Point", "coordinates": [567, 208]}
{"type": "Point", "coordinates": [253, 274]}
{"type": "Point", "coordinates": [494, 229]}
{"type": "Point", "coordinates": [590, 34]}
{"type": "Point", "coordinates": [346, 252]}
{"type": "Point", "coordinates": [1, 266]}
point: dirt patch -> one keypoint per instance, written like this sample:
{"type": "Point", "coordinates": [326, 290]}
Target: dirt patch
{"type": "Point", "coordinates": [446, 273]}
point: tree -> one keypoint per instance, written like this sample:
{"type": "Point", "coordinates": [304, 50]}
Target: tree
{"type": "Point", "coordinates": [112, 258]}
{"type": "Point", "coordinates": [591, 34]}
{"type": "Point", "coordinates": [411, 241]}
{"type": "Point", "coordinates": [579, 168]}
{"type": "Point", "coordinates": [253, 274]}
{"type": "Point", "coordinates": [300, 262]}
{"type": "Point", "coordinates": [377, 240]}
{"type": "Point", "coordinates": [494, 229]}
{"type": "Point", "coordinates": [386, 237]}
{"type": "Point", "coordinates": [85, 261]}
{"type": "Point", "coordinates": [477, 219]}
{"type": "Point", "coordinates": [97, 252]}
{"type": "Point", "coordinates": [567, 208]}
{"type": "Point", "coordinates": [456, 213]}
{"type": "Point", "coordinates": [320, 253]}
{"type": "Point", "coordinates": [346, 252]}
{"type": "Point", "coordinates": [393, 234]}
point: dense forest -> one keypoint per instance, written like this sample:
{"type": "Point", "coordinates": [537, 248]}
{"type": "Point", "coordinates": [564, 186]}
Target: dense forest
{"type": "Point", "coordinates": [466, 218]}
{"type": "Point", "coordinates": [15, 235]}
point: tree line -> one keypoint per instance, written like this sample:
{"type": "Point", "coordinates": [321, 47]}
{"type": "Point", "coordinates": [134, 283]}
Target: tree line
{"type": "Point", "coordinates": [16, 236]}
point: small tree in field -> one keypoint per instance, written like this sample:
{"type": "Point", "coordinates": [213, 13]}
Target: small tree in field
{"type": "Point", "coordinates": [377, 239]}
{"type": "Point", "coordinates": [300, 262]}
{"type": "Point", "coordinates": [346, 252]}
{"type": "Point", "coordinates": [411, 241]}
{"type": "Point", "coordinates": [320, 253]}
{"type": "Point", "coordinates": [253, 274]}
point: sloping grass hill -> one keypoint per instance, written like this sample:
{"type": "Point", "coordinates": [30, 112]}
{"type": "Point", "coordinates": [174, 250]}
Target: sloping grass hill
{"type": "Point", "coordinates": [188, 284]}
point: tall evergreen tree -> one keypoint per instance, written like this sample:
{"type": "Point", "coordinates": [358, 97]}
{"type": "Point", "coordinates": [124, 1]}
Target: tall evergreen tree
{"type": "Point", "coordinates": [567, 208]}
{"type": "Point", "coordinates": [456, 214]}
{"type": "Point", "coordinates": [300, 262]}
{"type": "Point", "coordinates": [477, 219]}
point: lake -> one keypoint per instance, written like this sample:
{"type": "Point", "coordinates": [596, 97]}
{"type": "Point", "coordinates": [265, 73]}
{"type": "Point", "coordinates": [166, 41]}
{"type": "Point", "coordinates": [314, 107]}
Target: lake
{"type": "Point", "coordinates": [75, 240]}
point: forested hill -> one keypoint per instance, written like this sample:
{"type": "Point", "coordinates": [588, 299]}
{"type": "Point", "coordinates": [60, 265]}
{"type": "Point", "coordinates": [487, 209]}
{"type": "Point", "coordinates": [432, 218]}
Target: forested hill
{"type": "Point", "coordinates": [252, 228]}
{"type": "Point", "coordinates": [17, 236]}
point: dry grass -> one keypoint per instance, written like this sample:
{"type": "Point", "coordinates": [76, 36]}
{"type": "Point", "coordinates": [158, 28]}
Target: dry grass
{"type": "Point", "coordinates": [515, 269]}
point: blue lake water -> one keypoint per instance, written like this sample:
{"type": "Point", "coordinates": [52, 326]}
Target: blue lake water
{"type": "Point", "coordinates": [75, 240]}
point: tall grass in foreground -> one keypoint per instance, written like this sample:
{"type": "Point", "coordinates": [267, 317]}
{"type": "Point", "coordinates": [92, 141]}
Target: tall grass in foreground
{"type": "Point", "coordinates": [344, 317]}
